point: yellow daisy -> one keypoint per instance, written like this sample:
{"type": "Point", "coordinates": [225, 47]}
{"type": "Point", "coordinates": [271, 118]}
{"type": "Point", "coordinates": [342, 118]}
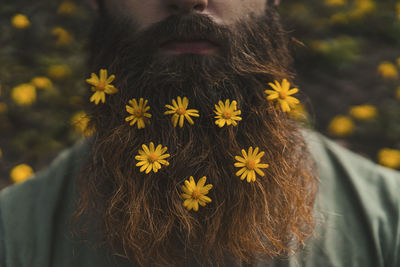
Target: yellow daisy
{"type": "Point", "coordinates": [151, 158]}
{"type": "Point", "coordinates": [138, 112]}
{"type": "Point", "coordinates": [227, 113]}
{"type": "Point", "coordinates": [180, 111]}
{"type": "Point", "coordinates": [250, 164]}
{"type": "Point", "coordinates": [101, 86]}
{"type": "Point", "coordinates": [282, 94]}
{"type": "Point", "coordinates": [195, 194]}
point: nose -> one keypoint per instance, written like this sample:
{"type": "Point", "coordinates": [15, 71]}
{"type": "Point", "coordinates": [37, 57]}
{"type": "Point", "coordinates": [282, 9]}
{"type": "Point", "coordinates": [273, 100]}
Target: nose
{"type": "Point", "coordinates": [187, 6]}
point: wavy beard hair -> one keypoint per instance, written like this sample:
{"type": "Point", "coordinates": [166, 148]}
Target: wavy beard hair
{"type": "Point", "coordinates": [140, 216]}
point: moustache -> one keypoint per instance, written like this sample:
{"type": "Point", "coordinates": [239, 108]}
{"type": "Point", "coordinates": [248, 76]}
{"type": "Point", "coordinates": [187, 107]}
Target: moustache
{"type": "Point", "coordinates": [193, 27]}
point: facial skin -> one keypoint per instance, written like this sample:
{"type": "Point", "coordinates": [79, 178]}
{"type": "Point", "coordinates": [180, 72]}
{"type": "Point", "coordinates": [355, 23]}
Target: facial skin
{"type": "Point", "coordinates": [223, 12]}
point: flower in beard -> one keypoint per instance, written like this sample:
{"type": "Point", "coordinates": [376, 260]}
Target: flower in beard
{"type": "Point", "coordinates": [195, 194]}
{"type": "Point", "coordinates": [250, 164]}
{"type": "Point", "coordinates": [282, 95]}
{"type": "Point", "coordinates": [227, 113]}
{"type": "Point", "coordinates": [138, 111]}
{"type": "Point", "coordinates": [101, 86]}
{"type": "Point", "coordinates": [151, 158]}
{"type": "Point", "coordinates": [180, 111]}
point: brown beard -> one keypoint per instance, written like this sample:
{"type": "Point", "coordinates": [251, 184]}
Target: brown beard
{"type": "Point", "coordinates": [141, 216]}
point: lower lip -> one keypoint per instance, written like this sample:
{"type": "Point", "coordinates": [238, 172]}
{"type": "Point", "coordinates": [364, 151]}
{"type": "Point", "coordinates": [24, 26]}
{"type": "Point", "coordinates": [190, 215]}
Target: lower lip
{"type": "Point", "coordinates": [189, 47]}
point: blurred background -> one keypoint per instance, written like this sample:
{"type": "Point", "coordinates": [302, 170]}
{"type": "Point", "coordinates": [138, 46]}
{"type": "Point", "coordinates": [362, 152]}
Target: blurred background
{"type": "Point", "coordinates": [347, 56]}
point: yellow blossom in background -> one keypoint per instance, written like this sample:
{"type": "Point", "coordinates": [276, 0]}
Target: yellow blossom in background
{"type": "Point", "coordinates": [389, 158]}
{"type": "Point", "coordinates": [363, 112]}
{"type": "Point", "coordinates": [63, 37]}
{"type": "Point", "coordinates": [250, 164]}
{"type": "Point", "coordinates": [282, 95]}
{"type": "Point", "coordinates": [24, 94]}
{"type": "Point", "coordinates": [338, 18]}
{"type": "Point", "coordinates": [398, 11]}
{"type": "Point", "coordinates": [59, 72]}
{"type": "Point", "coordinates": [151, 158]}
{"type": "Point", "coordinates": [227, 113]}
{"type": "Point", "coordinates": [180, 111]}
{"type": "Point", "coordinates": [335, 2]}
{"type": "Point", "coordinates": [21, 172]}
{"type": "Point", "coordinates": [195, 194]}
{"type": "Point", "coordinates": [42, 82]}
{"type": "Point", "coordinates": [1, 154]}
{"type": "Point", "coordinates": [398, 93]}
{"type": "Point", "coordinates": [101, 85]}
{"type": "Point", "coordinates": [3, 107]}
{"type": "Point", "coordinates": [20, 21]}
{"type": "Point", "coordinates": [79, 122]}
{"type": "Point", "coordinates": [299, 113]}
{"type": "Point", "coordinates": [320, 46]}
{"type": "Point", "coordinates": [398, 62]}
{"type": "Point", "coordinates": [67, 8]}
{"type": "Point", "coordinates": [341, 126]}
{"type": "Point", "coordinates": [138, 113]}
{"type": "Point", "coordinates": [362, 8]}
{"type": "Point", "coordinates": [388, 70]}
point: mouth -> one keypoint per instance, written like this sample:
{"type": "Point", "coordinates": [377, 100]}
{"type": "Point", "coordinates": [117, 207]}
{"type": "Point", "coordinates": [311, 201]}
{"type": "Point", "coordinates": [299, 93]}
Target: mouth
{"type": "Point", "coordinates": [180, 47]}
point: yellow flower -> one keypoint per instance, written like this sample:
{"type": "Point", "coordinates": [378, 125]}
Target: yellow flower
{"type": "Point", "coordinates": [335, 2]}
{"type": "Point", "coordinates": [195, 194]}
{"type": "Point", "coordinates": [3, 107]}
{"type": "Point", "coordinates": [67, 8]}
{"type": "Point", "coordinates": [21, 172]}
{"type": "Point", "coordinates": [282, 94]}
{"type": "Point", "coordinates": [320, 46]}
{"type": "Point", "coordinates": [180, 111]}
{"type": "Point", "coordinates": [363, 112]}
{"type": "Point", "coordinates": [58, 72]}
{"type": "Point", "coordinates": [42, 82]}
{"type": "Point", "coordinates": [398, 12]}
{"type": "Point", "coordinates": [389, 158]}
{"type": "Point", "coordinates": [20, 21]}
{"type": "Point", "coordinates": [24, 94]}
{"type": "Point", "coordinates": [80, 122]}
{"type": "Point", "coordinates": [250, 164]}
{"type": "Point", "coordinates": [1, 154]}
{"type": "Point", "coordinates": [227, 113]}
{"type": "Point", "coordinates": [338, 18]}
{"type": "Point", "coordinates": [388, 70]}
{"type": "Point", "coordinates": [101, 86]}
{"type": "Point", "coordinates": [299, 113]}
{"type": "Point", "coordinates": [362, 8]}
{"type": "Point", "coordinates": [151, 159]}
{"type": "Point", "coordinates": [341, 126]}
{"type": "Point", "coordinates": [63, 36]}
{"type": "Point", "coordinates": [138, 112]}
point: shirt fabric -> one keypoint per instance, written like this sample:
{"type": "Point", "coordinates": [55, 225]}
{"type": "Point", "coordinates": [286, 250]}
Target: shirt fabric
{"type": "Point", "coordinates": [357, 215]}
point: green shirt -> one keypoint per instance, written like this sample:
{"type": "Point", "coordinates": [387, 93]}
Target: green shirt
{"type": "Point", "coordinates": [357, 211]}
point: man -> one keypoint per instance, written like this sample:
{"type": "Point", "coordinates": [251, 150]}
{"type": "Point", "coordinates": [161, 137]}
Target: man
{"type": "Point", "coordinates": [194, 161]}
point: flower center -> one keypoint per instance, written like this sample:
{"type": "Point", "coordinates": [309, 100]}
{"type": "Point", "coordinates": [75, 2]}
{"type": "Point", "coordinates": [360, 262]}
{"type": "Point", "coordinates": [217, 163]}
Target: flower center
{"type": "Point", "coordinates": [101, 86]}
{"type": "Point", "coordinates": [196, 194]}
{"type": "Point", "coordinates": [227, 114]}
{"type": "Point", "coordinates": [251, 164]}
{"type": "Point", "coordinates": [282, 95]}
{"type": "Point", "coordinates": [181, 111]}
{"type": "Point", "coordinates": [152, 157]}
{"type": "Point", "coordinates": [138, 113]}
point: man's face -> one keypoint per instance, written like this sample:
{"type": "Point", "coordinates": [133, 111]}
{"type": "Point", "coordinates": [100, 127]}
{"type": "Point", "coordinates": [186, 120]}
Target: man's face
{"type": "Point", "coordinates": [223, 12]}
